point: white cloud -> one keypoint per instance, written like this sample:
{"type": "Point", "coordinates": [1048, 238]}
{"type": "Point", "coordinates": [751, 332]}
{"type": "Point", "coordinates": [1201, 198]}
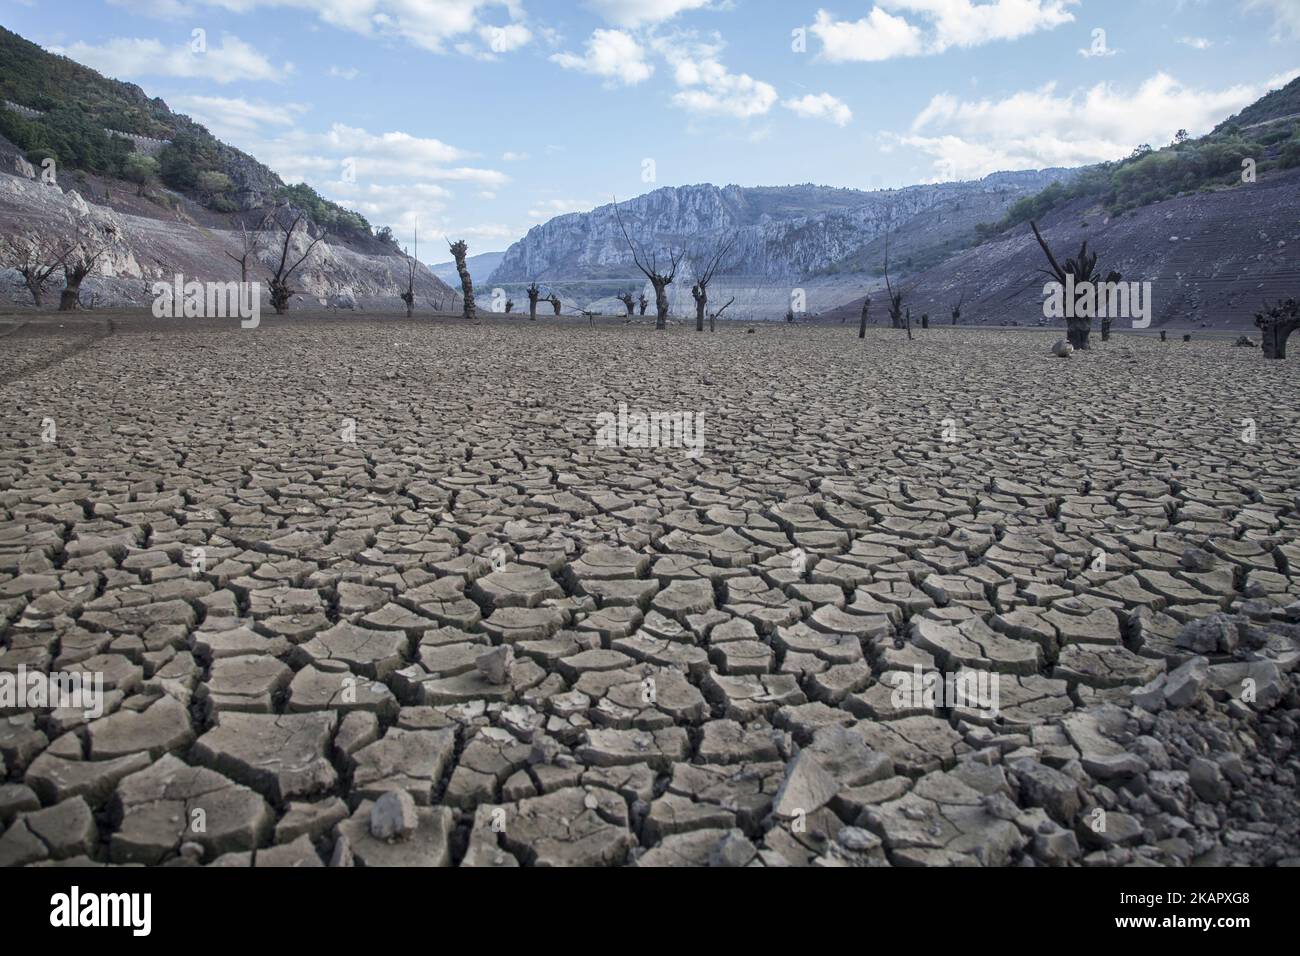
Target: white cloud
{"type": "Point", "coordinates": [550, 208]}
{"type": "Point", "coordinates": [1033, 129]}
{"type": "Point", "coordinates": [1286, 16]}
{"type": "Point", "coordinates": [487, 232]}
{"type": "Point", "coordinates": [344, 73]}
{"type": "Point", "coordinates": [964, 23]}
{"type": "Point", "coordinates": [715, 90]}
{"type": "Point", "coordinates": [708, 87]}
{"type": "Point", "coordinates": [428, 24]}
{"type": "Point", "coordinates": [877, 36]}
{"type": "Point", "coordinates": [165, 9]}
{"type": "Point", "coordinates": [821, 106]}
{"type": "Point", "coordinates": [126, 57]}
{"type": "Point", "coordinates": [370, 157]}
{"type": "Point", "coordinates": [886, 33]}
{"type": "Point", "coordinates": [505, 39]}
{"type": "Point", "coordinates": [511, 157]}
{"type": "Point", "coordinates": [635, 13]}
{"type": "Point", "coordinates": [613, 54]}
{"type": "Point", "coordinates": [229, 118]}
{"type": "Point", "coordinates": [1196, 43]}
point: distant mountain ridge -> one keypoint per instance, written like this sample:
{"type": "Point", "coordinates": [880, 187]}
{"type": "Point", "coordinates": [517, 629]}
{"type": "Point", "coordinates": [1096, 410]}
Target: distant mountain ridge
{"type": "Point", "coordinates": [778, 231]}
{"type": "Point", "coordinates": [481, 265]}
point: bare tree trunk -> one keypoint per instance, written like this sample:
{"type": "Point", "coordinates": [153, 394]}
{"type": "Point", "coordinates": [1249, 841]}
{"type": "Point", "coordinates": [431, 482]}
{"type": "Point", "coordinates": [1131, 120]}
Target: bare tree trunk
{"type": "Point", "coordinates": [282, 277]}
{"type": "Point", "coordinates": [459, 250]}
{"type": "Point", "coordinates": [701, 300]}
{"type": "Point", "coordinates": [1077, 332]}
{"type": "Point", "coordinates": [75, 273]}
{"type": "Point", "coordinates": [1276, 323]}
{"type": "Point", "coordinates": [866, 311]}
{"type": "Point", "coordinates": [661, 305]}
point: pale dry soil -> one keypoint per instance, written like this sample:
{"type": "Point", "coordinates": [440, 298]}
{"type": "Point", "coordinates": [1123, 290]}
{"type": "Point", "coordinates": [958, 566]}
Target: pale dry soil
{"type": "Point", "coordinates": [367, 592]}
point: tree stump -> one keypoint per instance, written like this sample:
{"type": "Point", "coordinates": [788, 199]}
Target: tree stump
{"type": "Point", "coordinates": [1276, 323]}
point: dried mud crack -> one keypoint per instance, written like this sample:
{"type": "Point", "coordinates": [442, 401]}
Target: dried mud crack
{"type": "Point", "coordinates": [370, 592]}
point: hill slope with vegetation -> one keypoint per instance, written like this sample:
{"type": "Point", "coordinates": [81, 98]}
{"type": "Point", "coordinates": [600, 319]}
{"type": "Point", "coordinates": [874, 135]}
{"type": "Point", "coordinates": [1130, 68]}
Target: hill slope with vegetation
{"type": "Point", "coordinates": [81, 110]}
{"type": "Point", "coordinates": [1266, 133]}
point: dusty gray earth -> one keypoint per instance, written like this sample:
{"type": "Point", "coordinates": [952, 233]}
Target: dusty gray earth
{"type": "Point", "coordinates": [370, 593]}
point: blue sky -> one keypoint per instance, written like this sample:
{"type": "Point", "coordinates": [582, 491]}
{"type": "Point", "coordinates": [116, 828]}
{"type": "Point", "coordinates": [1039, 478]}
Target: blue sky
{"type": "Point", "coordinates": [481, 118]}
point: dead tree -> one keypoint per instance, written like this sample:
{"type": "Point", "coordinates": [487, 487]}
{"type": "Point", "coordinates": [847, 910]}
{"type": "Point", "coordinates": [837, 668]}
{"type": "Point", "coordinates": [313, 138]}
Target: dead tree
{"type": "Point", "coordinates": [534, 293]}
{"type": "Point", "coordinates": [1277, 322]}
{"type": "Point", "coordinates": [956, 309]}
{"type": "Point", "coordinates": [628, 302]}
{"type": "Point", "coordinates": [1105, 328]}
{"type": "Point", "coordinates": [409, 295]}
{"type": "Point", "coordinates": [650, 268]}
{"type": "Point", "coordinates": [714, 316]}
{"type": "Point", "coordinates": [1083, 269]}
{"type": "Point", "coordinates": [895, 300]}
{"type": "Point", "coordinates": [510, 305]}
{"type": "Point", "coordinates": [281, 283]}
{"type": "Point", "coordinates": [925, 320]}
{"type": "Point", "coordinates": [700, 291]}
{"type": "Point", "coordinates": [556, 304]}
{"type": "Point", "coordinates": [866, 311]}
{"type": "Point", "coordinates": [80, 261]}
{"type": "Point", "coordinates": [643, 302]}
{"type": "Point", "coordinates": [459, 249]}
{"type": "Point", "coordinates": [248, 245]}
{"type": "Point", "coordinates": [35, 259]}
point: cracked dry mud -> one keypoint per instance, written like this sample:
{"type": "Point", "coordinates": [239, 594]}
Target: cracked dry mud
{"type": "Point", "coordinates": [491, 642]}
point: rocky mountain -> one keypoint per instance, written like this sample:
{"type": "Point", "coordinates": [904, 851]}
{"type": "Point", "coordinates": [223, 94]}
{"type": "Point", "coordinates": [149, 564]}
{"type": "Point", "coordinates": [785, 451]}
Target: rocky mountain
{"type": "Point", "coordinates": [780, 232]}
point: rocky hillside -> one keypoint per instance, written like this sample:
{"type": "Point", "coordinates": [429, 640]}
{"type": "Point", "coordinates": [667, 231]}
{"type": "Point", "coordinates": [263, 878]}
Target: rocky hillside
{"type": "Point", "coordinates": [1211, 258]}
{"type": "Point", "coordinates": [789, 232]}
{"type": "Point", "coordinates": [145, 246]}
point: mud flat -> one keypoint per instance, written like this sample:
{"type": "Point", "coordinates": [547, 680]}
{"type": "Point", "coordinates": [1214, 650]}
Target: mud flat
{"type": "Point", "coordinates": [370, 592]}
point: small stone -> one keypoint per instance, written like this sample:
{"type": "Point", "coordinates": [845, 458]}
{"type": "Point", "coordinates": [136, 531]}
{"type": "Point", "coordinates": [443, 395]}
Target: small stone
{"type": "Point", "coordinates": [393, 816]}
{"type": "Point", "coordinates": [1185, 684]}
{"type": "Point", "coordinates": [1207, 780]}
{"type": "Point", "coordinates": [495, 664]}
{"type": "Point", "coordinates": [1214, 634]}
